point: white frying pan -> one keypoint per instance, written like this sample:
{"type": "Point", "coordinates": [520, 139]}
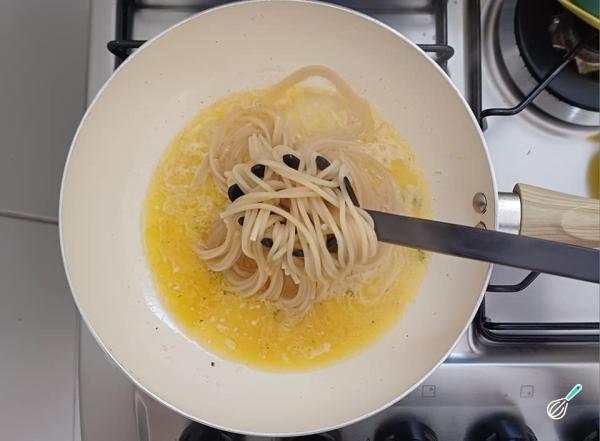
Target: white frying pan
{"type": "Point", "coordinates": [151, 97]}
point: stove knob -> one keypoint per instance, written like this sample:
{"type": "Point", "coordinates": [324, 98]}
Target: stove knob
{"type": "Point", "coordinates": [588, 431]}
{"type": "Point", "coordinates": [199, 432]}
{"type": "Point", "coordinates": [327, 436]}
{"type": "Point", "coordinates": [405, 430]}
{"type": "Point", "coordinates": [503, 427]}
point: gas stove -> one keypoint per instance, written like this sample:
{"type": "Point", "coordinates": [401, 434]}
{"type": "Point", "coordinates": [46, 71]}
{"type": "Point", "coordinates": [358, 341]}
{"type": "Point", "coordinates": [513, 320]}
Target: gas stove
{"type": "Point", "coordinates": [535, 336]}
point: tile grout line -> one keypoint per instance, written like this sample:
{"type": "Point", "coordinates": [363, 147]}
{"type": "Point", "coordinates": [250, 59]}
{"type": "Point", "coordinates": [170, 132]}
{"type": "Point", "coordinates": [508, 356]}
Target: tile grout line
{"type": "Point", "coordinates": [29, 217]}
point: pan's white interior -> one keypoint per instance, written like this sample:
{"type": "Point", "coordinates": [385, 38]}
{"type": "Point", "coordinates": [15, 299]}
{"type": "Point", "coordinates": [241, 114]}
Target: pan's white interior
{"type": "Point", "coordinates": [151, 98]}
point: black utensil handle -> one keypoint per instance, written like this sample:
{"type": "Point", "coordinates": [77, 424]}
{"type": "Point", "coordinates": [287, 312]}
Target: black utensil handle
{"type": "Point", "coordinates": [523, 252]}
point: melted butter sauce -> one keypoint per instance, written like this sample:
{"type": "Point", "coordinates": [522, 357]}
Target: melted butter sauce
{"type": "Point", "coordinates": [179, 212]}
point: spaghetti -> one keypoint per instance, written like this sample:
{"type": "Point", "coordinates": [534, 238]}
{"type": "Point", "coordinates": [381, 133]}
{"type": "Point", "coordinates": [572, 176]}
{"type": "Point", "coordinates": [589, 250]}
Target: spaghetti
{"type": "Point", "coordinates": [294, 233]}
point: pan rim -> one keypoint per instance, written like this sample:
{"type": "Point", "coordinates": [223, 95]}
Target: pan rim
{"type": "Point", "coordinates": [147, 388]}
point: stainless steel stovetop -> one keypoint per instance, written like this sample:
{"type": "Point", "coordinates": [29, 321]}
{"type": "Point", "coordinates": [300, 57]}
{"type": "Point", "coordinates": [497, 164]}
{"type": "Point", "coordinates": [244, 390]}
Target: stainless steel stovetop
{"type": "Point", "coordinates": [528, 347]}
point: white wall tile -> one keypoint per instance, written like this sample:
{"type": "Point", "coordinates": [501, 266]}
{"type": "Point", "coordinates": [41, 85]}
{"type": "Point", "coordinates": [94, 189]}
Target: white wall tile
{"type": "Point", "coordinates": [43, 63]}
{"type": "Point", "coordinates": [38, 335]}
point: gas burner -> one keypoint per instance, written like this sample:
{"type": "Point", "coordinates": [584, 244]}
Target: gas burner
{"type": "Point", "coordinates": [327, 436]}
{"type": "Point", "coordinates": [502, 427]}
{"type": "Point", "coordinates": [408, 429]}
{"type": "Point", "coordinates": [199, 432]}
{"type": "Point", "coordinates": [587, 429]}
{"type": "Point", "coordinates": [533, 38]}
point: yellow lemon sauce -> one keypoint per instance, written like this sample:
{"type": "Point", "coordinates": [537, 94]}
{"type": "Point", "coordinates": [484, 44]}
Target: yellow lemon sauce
{"type": "Point", "coordinates": [179, 211]}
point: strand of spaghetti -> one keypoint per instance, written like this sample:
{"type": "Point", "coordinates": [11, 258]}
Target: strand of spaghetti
{"type": "Point", "coordinates": [288, 193]}
{"type": "Point", "coordinates": [211, 253]}
{"type": "Point", "coordinates": [295, 175]}
{"type": "Point", "coordinates": [233, 209]}
{"type": "Point", "coordinates": [213, 151]}
{"type": "Point", "coordinates": [357, 103]}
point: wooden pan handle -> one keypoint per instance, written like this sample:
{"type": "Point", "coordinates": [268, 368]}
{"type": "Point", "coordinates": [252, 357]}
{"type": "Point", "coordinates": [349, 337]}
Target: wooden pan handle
{"type": "Point", "coordinates": [558, 216]}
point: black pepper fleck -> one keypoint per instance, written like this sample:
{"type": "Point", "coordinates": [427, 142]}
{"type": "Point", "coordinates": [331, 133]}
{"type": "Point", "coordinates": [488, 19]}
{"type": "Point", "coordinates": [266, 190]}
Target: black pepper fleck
{"type": "Point", "coordinates": [258, 170]}
{"type": "Point", "coordinates": [291, 161]}
{"type": "Point", "coordinates": [322, 163]}
{"type": "Point", "coordinates": [234, 192]}
{"type": "Point", "coordinates": [331, 243]}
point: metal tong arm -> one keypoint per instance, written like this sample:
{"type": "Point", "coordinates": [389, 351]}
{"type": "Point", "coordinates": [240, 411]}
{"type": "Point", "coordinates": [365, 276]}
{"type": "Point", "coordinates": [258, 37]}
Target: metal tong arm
{"type": "Point", "coordinates": [524, 252]}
